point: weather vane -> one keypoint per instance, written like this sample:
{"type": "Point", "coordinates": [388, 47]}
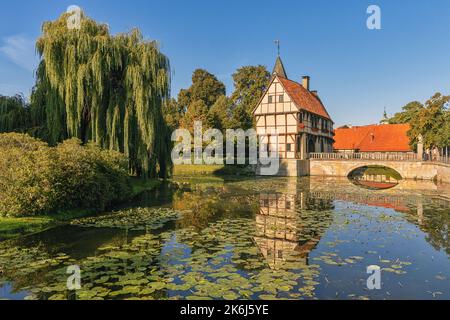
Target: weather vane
{"type": "Point", "coordinates": [277, 42]}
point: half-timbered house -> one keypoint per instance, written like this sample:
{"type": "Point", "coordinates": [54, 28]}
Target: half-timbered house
{"type": "Point", "coordinates": [296, 114]}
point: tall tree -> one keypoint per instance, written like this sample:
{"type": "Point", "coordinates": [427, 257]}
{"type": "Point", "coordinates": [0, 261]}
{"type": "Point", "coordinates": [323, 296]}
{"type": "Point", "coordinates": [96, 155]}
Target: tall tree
{"type": "Point", "coordinates": [250, 82]}
{"type": "Point", "coordinates": [219, 114]}
{"type": "Point", "coordinates": [205, 87]}
{"type": "Point", "coordinates": [105, 88]}
{"type": "Point", "coordinates": [430, 121]}
{"type": "Point", "coordinates": [173, 113]}
{"type": "Point", "coordinates": [17, 115]}
{"type": "Point", "coordinates": [14, 114]}
{"type": "Point", "coordinates": [197, 111]}
{"type": "Point", "coordinates": [409, 112]}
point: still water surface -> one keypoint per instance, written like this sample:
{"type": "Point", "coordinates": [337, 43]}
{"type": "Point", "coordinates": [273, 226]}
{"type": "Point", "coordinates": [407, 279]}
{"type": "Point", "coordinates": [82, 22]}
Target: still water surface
{"type": "Point", "coordinates": [206, 238]}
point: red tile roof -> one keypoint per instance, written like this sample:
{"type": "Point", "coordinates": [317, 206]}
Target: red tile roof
{"type": "Point", "coordinates": [303, 98]}
{"type": "Point", "coordinates": [374, 138]}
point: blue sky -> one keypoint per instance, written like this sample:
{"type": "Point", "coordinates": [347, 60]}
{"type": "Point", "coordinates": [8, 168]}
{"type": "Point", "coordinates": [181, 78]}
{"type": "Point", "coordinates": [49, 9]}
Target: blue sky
{"type": "Point", "coordinates": [358, 72]}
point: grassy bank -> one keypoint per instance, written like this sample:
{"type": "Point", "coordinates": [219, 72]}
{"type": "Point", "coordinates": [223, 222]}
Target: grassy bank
{"type": "Point", "coordinates": [15, 227]}
{"type": "Point", "coordinates": [217, 170]}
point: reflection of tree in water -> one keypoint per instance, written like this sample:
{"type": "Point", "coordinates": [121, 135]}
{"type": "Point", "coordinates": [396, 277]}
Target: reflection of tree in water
{"type": "Point", "coordinates": [201, 207]}
{"type": "Point", "coordinates": [436, 224]}
{"type": "Point", "coordinates": [289, 226]}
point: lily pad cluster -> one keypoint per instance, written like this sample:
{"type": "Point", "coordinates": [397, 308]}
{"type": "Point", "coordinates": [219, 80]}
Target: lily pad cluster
{"type": "Point", "coordinates": [136, 219]}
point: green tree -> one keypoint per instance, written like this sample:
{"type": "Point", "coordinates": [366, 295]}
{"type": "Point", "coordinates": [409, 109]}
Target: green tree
{"type": "Point", "coordinates": [14, 114]}
{"type": "Point", "coordinates": [173, 113]}
{"type": "Point", "coordinates": [431, 121]}
{"type": "Point", "coordinates": [409, 112]}
{"type": "Point", "coordinates": [205, 87]}
{"type": "Point", "coordinates": [197, 111]}
{"type": "Point", "coordinates": [17, 115]}
{"type": "Point", "coordinates": [220, 113]}
{"type": "Point", "coordinates": [250, 82]}
{"type": "Point", "coordinates": [106, 89]}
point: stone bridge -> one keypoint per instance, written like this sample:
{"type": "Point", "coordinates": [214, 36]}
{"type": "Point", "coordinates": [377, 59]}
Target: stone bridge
{"type": "Point", "coordinates": [407, 165]}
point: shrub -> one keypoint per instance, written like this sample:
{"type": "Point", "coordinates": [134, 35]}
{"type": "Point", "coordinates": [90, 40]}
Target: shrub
{"type": "Point", "coordinates": [37, 179]}
{"type": "Point", "coordinates": [25, 164]}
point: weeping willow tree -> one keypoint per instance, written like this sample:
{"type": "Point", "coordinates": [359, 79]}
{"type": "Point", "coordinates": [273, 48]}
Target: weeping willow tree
{"type": "Point", "coordinates": [16, 115]}
{"type": "Point", "coordinates": [106, 89]}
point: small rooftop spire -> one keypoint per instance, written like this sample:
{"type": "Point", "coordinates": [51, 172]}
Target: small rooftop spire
{"type": "Point", "coordinates": [279, 68]}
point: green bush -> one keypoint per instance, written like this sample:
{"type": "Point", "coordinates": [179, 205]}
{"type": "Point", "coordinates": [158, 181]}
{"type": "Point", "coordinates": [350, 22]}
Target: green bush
{"type": "Point", "coordinates": [37, 179]}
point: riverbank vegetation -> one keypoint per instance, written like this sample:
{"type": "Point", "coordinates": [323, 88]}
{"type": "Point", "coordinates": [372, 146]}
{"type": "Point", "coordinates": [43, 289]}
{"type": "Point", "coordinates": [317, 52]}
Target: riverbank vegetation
{"type": "Point", "coordinates": [38, 179]}
{"type": "Point", "coordinates": [43, 186]}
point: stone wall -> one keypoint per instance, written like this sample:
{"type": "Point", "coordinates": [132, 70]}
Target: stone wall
{"type": "Point", "coordinates": [291, 168]}
{"type": "Point", "coordinates": [443, 172]}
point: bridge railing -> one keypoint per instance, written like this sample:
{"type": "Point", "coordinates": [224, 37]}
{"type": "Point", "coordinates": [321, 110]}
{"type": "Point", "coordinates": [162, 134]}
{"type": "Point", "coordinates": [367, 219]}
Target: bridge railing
{"type": "Point", "coordinates": [442, 159]}
{"type": "Point", "coordinates": [365, 156]}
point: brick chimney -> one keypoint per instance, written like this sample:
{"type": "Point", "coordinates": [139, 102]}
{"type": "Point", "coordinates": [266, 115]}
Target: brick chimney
{"type": "Point", "coordinates": [305, 82]}
{"type": "Point", "coordinates": [314, 92]}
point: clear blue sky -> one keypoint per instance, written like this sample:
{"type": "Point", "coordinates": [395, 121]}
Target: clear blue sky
{"type": "Point", "coordinates": [358, 72]}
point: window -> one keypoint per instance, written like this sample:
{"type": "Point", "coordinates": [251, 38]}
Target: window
{"type": "Point", "coordinates": [314, 122]}
{"type": "Point", "coordinates": [289, 147]}
{"type": "Point", "coordinates": [288, 205]}
{"type": "Point", "coordinates": [270, 99]}
{"type": "Point", "coordinates": [300, 117]}
{"type": "Point", "coordinates": [281, 98]}
{"type": "Point", "coordinates": [280, 254]}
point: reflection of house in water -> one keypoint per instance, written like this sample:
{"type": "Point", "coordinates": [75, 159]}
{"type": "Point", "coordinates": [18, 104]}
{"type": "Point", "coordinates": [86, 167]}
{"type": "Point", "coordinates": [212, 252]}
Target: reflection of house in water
{"type": "Point", "coordinates": [279, 234]}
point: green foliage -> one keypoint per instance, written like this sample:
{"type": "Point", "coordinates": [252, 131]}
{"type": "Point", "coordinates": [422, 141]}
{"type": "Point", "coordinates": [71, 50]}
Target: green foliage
{"type": "Point", "coordinates": [409, 112]}
{"type": "Point", "coordinates": [250, 82]}
{"type": "Point", "coordinates": [106, 89]}
{"type": "Point", "coordinates": [206, 101]}
{"type": "Point", "coordinates": [38, 179]}
{"type": "Point", "coordinates": [431, 120]}
{"type": "Point", "coordinates": [220, 113]}
{"type": "Point", "coordinates": [205, 87]}
{"type": "Point", "coordinates": [16, 115]}
{"type": "Point", "coordinates": [197, 111]}
{"type": "Point", "coordinates": [173, 114]}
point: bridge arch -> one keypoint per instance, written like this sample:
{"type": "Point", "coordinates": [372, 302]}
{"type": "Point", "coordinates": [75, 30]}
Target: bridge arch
{"type": "Point", "coordinates": [391, 165]}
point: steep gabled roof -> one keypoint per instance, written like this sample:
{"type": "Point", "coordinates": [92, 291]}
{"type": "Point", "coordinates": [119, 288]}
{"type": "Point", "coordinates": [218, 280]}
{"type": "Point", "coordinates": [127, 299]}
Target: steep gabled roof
{"type": "Point", "coordinates": [303, 98]}
{"type": "Point", "coordinates": [374, 138]}
{"type": "Point", "coordinates": [279, 68]}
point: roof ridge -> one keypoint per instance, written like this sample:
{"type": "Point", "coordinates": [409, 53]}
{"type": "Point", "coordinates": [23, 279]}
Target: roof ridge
{"type": "Point", "coordinates": [298, 89]}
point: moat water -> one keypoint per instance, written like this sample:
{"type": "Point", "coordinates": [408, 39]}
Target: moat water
{"type": "Point", "coordinates": [263, 238]}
